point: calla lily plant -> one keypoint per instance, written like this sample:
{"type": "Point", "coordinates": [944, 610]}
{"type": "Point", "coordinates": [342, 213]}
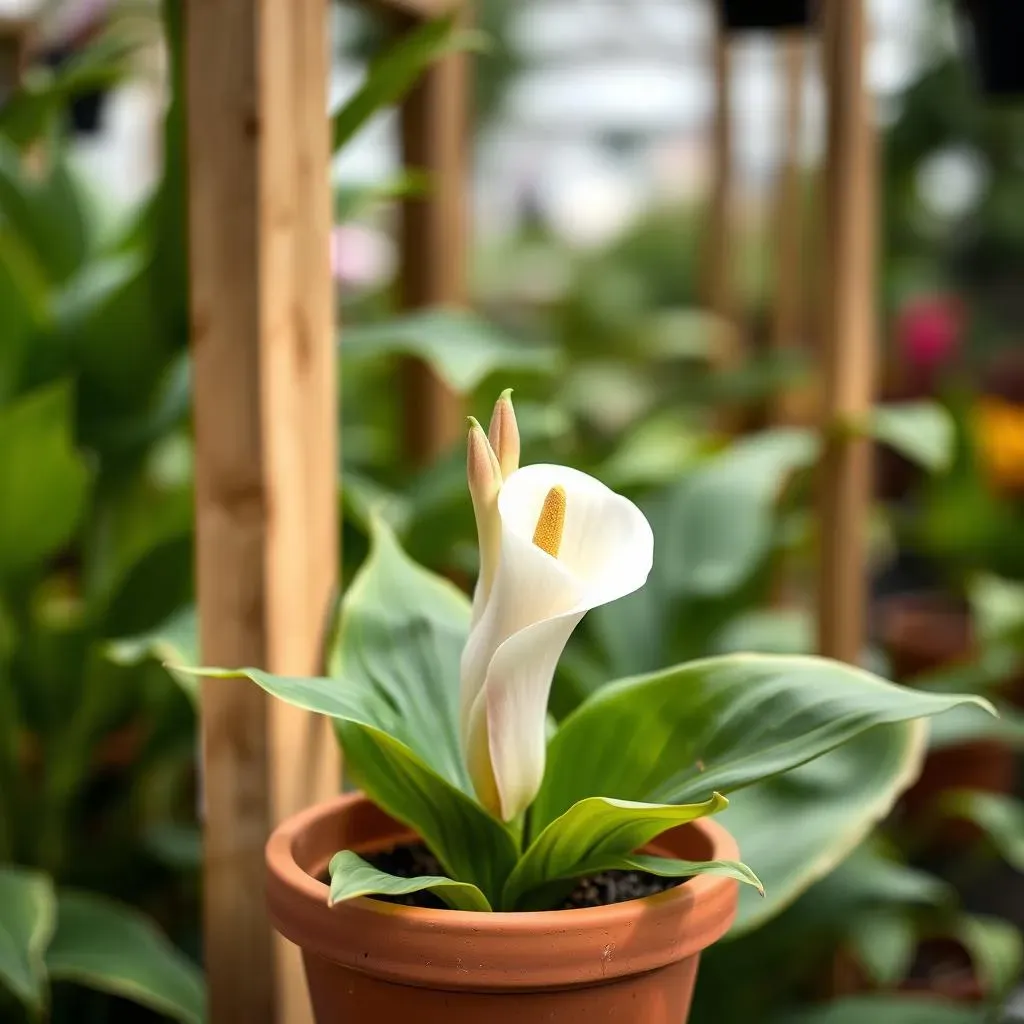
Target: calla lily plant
{"type": "Point", "coordinates": [441, 703]}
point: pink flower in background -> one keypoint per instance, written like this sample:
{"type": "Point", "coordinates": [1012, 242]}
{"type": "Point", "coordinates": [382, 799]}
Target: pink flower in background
{"type": "Point", "coordinates": [929, 331]}
{"type": "Point", "coordinates": [360, 256]}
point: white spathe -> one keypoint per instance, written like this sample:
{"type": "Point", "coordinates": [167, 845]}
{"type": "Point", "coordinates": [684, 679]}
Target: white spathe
{"type": "Point", "coordinates": [534, 604]}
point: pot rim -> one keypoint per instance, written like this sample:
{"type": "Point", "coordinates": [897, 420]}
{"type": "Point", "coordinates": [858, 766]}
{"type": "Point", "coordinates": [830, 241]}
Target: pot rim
{"type": "Point", "coordinates": [491, 951]}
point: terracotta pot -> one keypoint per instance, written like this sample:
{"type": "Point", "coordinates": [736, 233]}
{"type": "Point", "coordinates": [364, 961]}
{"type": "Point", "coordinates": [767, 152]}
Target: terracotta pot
{"type": "Point", "coordinates": [922, 632]}
{"type": "Point", "coordinates": [367, 960]}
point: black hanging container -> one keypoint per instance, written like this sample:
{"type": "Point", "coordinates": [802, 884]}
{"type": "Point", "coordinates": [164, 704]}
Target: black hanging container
{"type": "Point", "coordinates": [742, 15]}
{"type": "Point", "coordinates": [994, 31]}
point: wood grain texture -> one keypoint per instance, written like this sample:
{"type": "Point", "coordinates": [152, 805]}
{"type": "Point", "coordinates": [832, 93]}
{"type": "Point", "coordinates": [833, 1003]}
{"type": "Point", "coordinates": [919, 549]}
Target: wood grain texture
{"type": "Point", "coordinates": [720, 238]}
{"type": "Point", "coordinates": [788, 319]}
{"type": "Point", "coordinates": [848, 355]}
{"type": "Point", "coordinates": [266, 462]}
{"type": "Point", "coordinates": [433, 241]}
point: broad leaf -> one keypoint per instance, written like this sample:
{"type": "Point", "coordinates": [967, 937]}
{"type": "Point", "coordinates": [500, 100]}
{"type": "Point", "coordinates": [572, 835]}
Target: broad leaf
{"type": "Point", "coordinates": [768, 631]}
{"type": "Point", "coordinates": [23, 298]}
{"type": "Point", "coordinates": [722, 514]}
{"type": "Point", "coordinates": [351, 876]}
{"type": "Point", "coordinates": [395, 659]}
{"type": "Point", "coordinates": [460, 346]}
{"type": "Point", "coordinates": [884, 942]}
{"type": "Point", "coordinates": [398, 780]}
{"type": "Point", "coordinates": [45, 481]}
{"type": "Point", "coordinates": [922, 432]}
{"type": "Point", "coordinates": [717, 725]}
{"type": "Point", "coordinates": [113, 948]}
{"type": "Point", "coordinates": [399, 638]}
{"type": "Point", "coordinates": [592, 836]}
{"type": "Point", "coordinates": [396, 71]}
{"type": "Point", "coordinates": [795, 950]}
{"type": "Point", "coordinates": [824, 809]}
{"type": "Point", "coordinates": [1000, 817]}
{"type": "Point", "coordinates": [672, 867]}
{"type": "Point", "coordinates": [996, 950]}
{"type": "Point", "coordinates": [888, 1010]}
{"type": "Point", "coordinates": [970, 724]}
{"type": "Point", "coordinates": [28, 913]}
{"type": "Point", "coordinates": [175, 642]}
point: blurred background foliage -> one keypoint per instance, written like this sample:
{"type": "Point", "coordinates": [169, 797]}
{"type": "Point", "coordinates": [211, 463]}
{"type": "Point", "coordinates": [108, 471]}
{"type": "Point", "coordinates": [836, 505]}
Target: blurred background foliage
{"type": "Point", "coordinates": [615, 361]}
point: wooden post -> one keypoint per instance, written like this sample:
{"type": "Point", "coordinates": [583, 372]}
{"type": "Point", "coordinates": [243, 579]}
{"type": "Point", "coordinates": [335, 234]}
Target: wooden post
{"type": "Point", "coordinates": [435, 122]}
{"type": "Point", "coordinates": [266, 459]}
{"type": "Point", "coordinates": [720, 283]}
{"type": "Point", "coordinates": [849, 333]}
{"type": "Point", "coordinates": [788, 320]}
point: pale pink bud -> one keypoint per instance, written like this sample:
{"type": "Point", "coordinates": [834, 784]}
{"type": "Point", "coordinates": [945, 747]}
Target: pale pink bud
{"type": "Point", "coordinates": [504, 434]}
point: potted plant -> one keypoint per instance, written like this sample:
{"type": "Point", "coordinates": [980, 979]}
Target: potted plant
{"type": "Point", "coordinates": [739, 15]}
{"type": "Point", "coordinates": [498, 867]}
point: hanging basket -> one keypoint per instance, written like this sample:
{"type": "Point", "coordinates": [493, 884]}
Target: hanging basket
{"type": "Point", "coordinates": [993, 31]}
{"type": "Point", "coordinates": [743, 15]}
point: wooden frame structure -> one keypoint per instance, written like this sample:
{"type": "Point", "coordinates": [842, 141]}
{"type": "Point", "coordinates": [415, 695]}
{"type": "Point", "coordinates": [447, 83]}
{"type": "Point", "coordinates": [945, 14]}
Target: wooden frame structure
{"type": "Point", "coordinates": [263, 341]}
{"type": "Point", "coordinates": [267, 425]}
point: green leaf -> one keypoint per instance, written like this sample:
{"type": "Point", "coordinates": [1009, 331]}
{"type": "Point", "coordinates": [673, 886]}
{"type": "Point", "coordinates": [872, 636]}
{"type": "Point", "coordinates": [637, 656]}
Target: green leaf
{"type": "Point", "coordinates": [395, 658]}
{"type": "Point", "coordinates": [45, 481]}
{"type": "Point", "coordinates": [999, 816]}
{"type": "Point", "coordinates": [23, 298]}
{"type": "Point", "coordinates": [461, 347]}
{"type": "Point", "coordinates": [996, 949]}
{"type": "Point", "coordinates": [111, 947]}
{"type": "Point", "coordinates": [825, 808]}
{"type": "Point", "coordinates": [175, 642]}
{"type": "Point", "coordinates": [399, 637]}
{"type": "Point", "coordinates": [997, 608]}
{"type": "Point", "coordinates": [351, 876]}
{"type": "Point", "coordinates": [593, 836]}
{"type": "Point", "coordinates": [884, 943]}
{"type": "Point", "coordinates": [922, 432]}
{"type": "Point", "coordinates": [470, 844]}
{"type": "Point", "coordinates": [352, 201]}
{"type": "Point", "coordinates": [969, 724]}
{"type": "Point", "coordinates": [26, 924]}
{"type": "Point", "coordinates": [48, 214]}
{"type": "Point", "coordinates": [717, 725]}
{"type": "Point", "coordinates": [672, 867]}
{"type": "Point", "coordinates": [768, 631]}
{"type": "Point", "coordinates": [722, 514]}
{"type": "Point", "coordinates": [396, 71]}
{"type": "Point", "coordinates": [887, 1010]}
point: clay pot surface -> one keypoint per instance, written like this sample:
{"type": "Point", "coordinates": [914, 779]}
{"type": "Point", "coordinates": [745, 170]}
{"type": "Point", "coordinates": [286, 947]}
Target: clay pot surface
{"type": "Point", "coordinates": [371, 961]}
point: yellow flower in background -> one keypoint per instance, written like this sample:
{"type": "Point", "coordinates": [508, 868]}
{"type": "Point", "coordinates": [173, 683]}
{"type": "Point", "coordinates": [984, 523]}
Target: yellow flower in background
{"type": "Point", "coordinates": [999, 429]}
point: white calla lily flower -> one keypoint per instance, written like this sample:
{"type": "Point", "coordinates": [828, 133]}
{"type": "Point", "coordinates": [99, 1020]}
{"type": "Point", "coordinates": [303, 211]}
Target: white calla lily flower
{"type": "Point", "coordinates": [568, 544]}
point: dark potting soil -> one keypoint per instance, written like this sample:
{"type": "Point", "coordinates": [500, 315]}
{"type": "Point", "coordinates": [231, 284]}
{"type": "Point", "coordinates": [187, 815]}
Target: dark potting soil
{"type": "Point", "coordinates": [598, 891]}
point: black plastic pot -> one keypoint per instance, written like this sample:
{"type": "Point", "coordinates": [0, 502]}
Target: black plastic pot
{"type": "Point", "coordinates": [994, 30]}
{"type": "Point", "coordinates": [742, 15]}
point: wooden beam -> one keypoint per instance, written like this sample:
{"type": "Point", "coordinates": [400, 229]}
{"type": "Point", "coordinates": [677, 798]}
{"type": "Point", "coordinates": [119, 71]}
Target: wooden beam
{"type": "Point", "coordinates": [720, 281]}
{"type": "Point", "coordinates": [266, 463]}
{"type": "Point", "coordinates": [434, 239]}
{"type": "Point", "coordinates": [788, 321]}
{"type": "Point", "coordinates": [848, 356]}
